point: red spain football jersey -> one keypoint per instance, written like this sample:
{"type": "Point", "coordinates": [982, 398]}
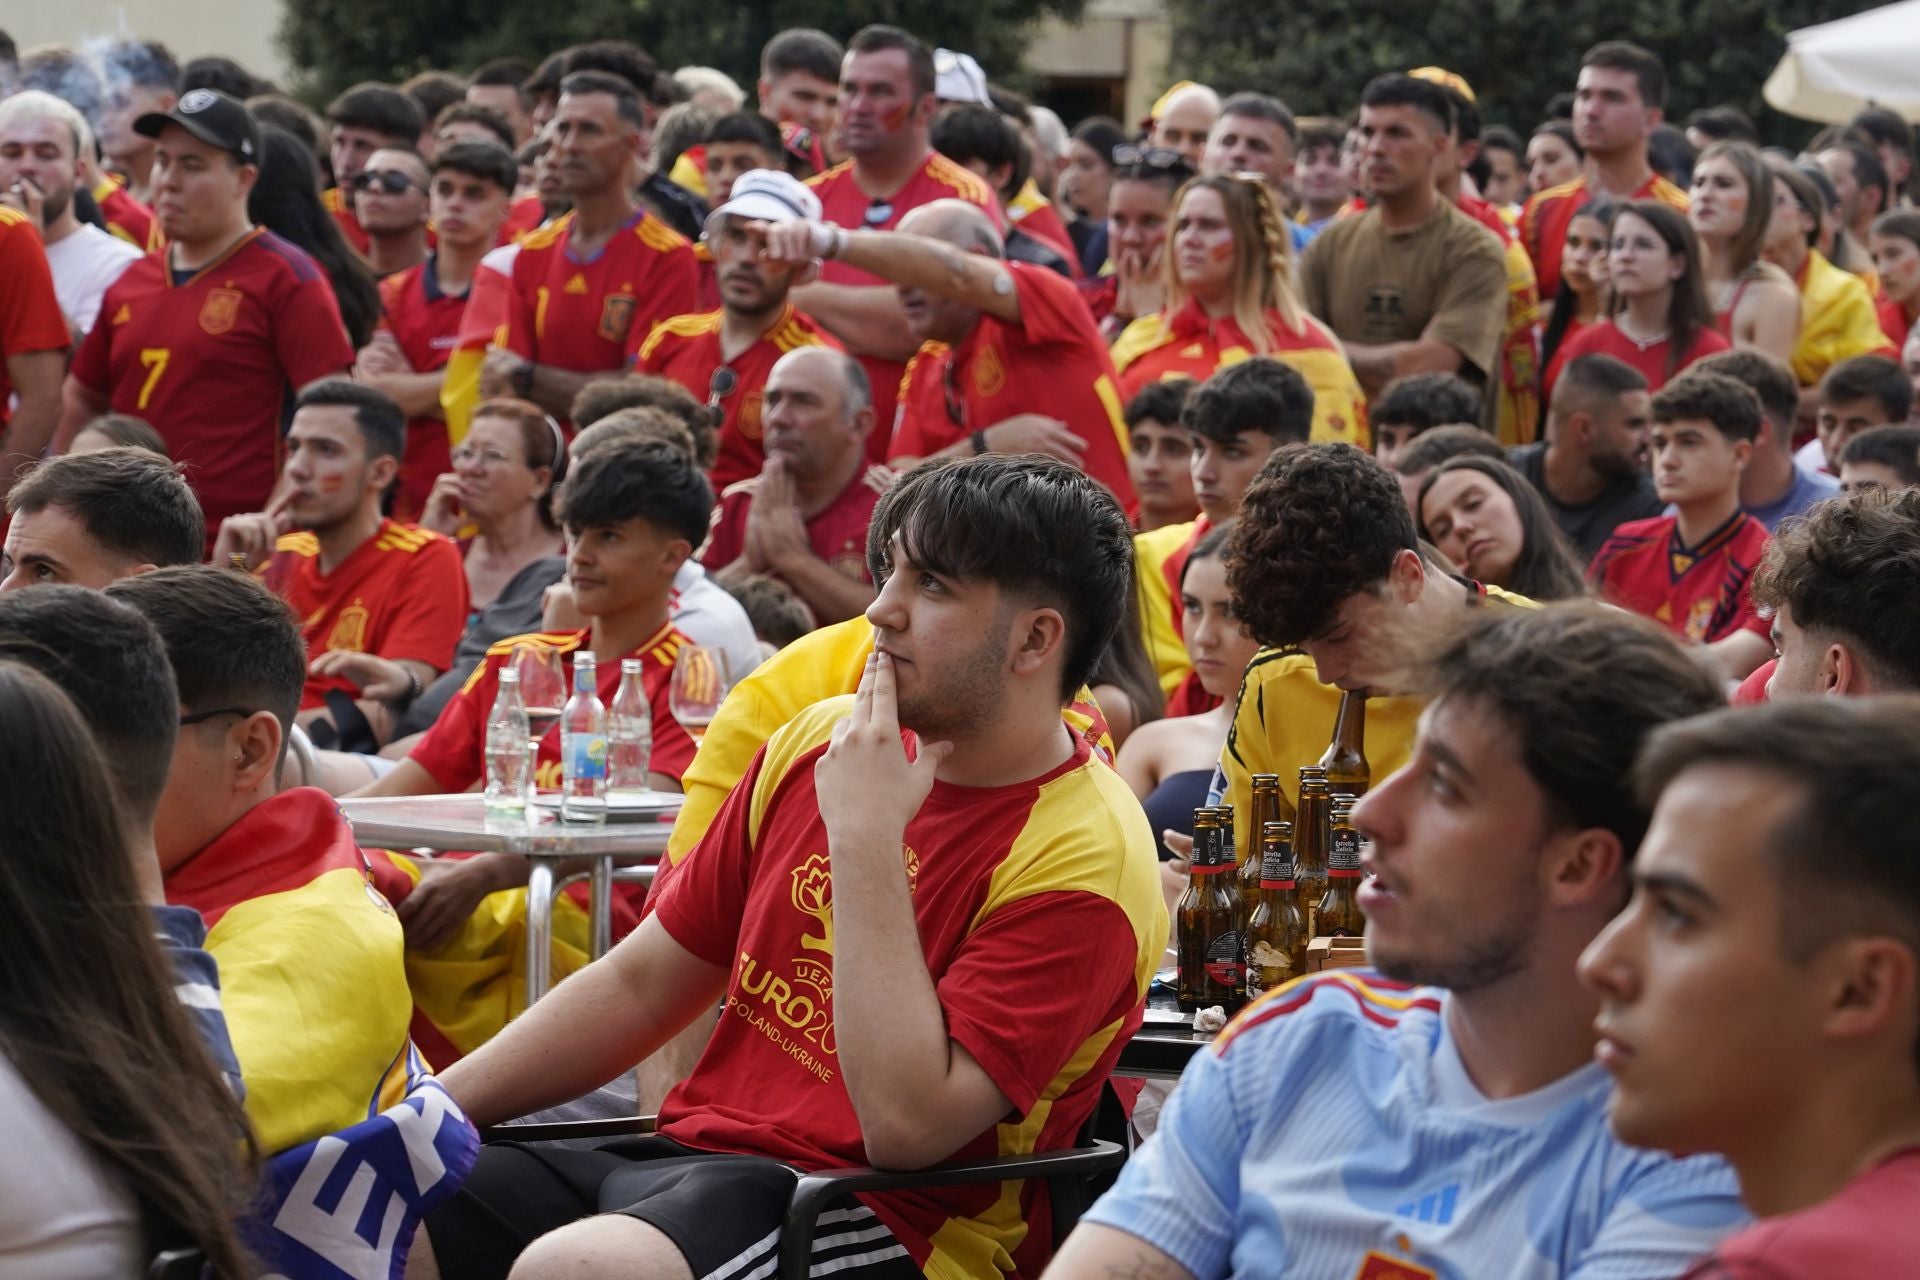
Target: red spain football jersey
{"type": "Point", "coordinates": [1054, 363]}
{"type": "Point", "coordinates": [1703, 593]}
{"type": "Point", "coordinates": [524, 215]}
{"type": "Point", "coordinates": [401, 594]}
{"type": "Point", "coordinates": [126, 217]}
{"type": "Point", "coordinates": [838, 534]}
{"type": "Point", "coordinates": [1543, 223]}
{"type": "Point", "coordinates": [591, 315]}
{"type": "Point", "coordinates": [340, 204]}
{"type": "Point", "coordinates": [426, 324]}
{"type": "Point", "coordinates": [30, 316]}
{"type": "Point", "coordinates": [455, 749]}
{"type": "Point", "coordinates": [212, 358]}
{"type": "Point", "coordinates": [844, 203]}
{"type": "Point", "coordinates": [999, 879]}
{"type": "Point", "coordinates": [687, 349]}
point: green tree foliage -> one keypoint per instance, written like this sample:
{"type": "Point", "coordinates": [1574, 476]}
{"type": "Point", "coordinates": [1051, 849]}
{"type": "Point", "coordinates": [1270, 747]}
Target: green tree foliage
{"type": "Point", "coordinates": [1319, 54]}
{"type": "Point", "coordinates": [339, 42]}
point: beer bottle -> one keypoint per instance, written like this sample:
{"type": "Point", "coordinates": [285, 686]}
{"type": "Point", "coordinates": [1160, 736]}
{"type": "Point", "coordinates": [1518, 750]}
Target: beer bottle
{"type": "Point", "coordinates": [1310, 841]}
{"type": "Point", "coordinates": [1339, 914]}
{"type": "Point", "coordinates": [1264, 808]}
{"type": "Point", "coordinates": [1276, 932]}
{"type": "Point", "coordinates": [1209, 922]}
{"type": "Point", "coordinates": [1346, 758]}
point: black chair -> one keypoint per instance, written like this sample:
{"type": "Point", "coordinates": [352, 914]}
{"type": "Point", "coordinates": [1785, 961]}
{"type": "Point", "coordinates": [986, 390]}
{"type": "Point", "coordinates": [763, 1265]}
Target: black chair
{"type": "Point", "coordinates": [1074, 1177]}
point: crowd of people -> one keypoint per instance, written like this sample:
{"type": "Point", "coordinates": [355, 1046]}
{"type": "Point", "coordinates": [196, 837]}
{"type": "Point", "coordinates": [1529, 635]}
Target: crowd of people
{"type": "Point", "coordinates": [1030, 488]}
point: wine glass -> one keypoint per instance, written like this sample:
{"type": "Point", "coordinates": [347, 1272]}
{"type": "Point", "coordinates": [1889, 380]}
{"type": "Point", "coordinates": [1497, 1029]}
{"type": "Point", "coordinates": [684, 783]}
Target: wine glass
{"type": "Point", "coordinates": [699, 687]}
{"type": "Point", "coordinates": [543, 687]}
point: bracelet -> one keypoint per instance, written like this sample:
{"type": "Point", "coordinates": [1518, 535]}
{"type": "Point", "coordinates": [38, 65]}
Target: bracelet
{"type": "Point", "coordinates": [979, 439]}
{"type": "Point", "coordinates": [414, 690]}
{"type": "Point", "coordinates": [838, 244]}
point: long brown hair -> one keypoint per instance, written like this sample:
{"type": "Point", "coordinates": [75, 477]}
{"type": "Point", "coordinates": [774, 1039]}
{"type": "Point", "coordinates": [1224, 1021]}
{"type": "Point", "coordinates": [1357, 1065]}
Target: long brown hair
{"type": "Point", "coordinates": [1752, 168]}
{"type": "Point", "coordinates": [88, 1015]}
{"type": "Point", "coordinates": [1688, 311]}
{"type": "Point", "coordinates": [1262, 258]}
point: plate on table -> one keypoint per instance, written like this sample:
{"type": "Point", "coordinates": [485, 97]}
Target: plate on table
{"type": "Point", "coordinates": [625, 806]}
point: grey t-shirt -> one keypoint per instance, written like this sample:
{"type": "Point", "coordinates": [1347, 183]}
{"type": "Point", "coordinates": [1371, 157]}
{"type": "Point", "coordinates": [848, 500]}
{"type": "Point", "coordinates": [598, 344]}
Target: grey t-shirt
{"type": "Point", "coordinates": [1591, 523]}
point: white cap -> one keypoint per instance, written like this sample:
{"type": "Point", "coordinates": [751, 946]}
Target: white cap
{"type": "Point", "coordinates": [767, 195]}
{"type": "Point", "coordinates": [958, 78]}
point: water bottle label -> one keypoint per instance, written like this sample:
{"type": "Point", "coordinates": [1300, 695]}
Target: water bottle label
{"type": "Point", "coordinates": [586, 755]}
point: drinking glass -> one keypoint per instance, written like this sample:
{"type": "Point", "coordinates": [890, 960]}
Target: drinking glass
{"type": "Point", "coordinates": [700, 685]}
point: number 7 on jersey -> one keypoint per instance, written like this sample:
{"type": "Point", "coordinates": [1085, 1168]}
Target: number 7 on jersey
{"type": "Point", "coordinates": [155, 358]}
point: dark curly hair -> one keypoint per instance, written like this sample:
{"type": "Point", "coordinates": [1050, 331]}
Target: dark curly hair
{"type": "Point", "coordinates": [1321, 523]}
{"type": "Point", "coordinates": [1851, 568]}
{"type": "Point", "coordinates": [1730, 405]}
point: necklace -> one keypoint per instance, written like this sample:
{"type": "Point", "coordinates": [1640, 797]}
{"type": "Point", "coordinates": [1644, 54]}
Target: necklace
{"type": "Point", "coordinates": [1644, 344]}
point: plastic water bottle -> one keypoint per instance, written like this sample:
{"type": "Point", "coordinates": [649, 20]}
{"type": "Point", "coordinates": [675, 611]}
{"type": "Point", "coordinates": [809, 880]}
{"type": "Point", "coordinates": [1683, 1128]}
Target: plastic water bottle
{"type": "Point", "coordinates": [629, 734]}
{"type": "Point", "coordinates": [507, 762]}
{"type": "Point", "coordinates": [583, 746]}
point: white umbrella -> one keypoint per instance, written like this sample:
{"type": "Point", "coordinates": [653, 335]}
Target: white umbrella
{"type": "Point", "coordinates": [1834, 70]}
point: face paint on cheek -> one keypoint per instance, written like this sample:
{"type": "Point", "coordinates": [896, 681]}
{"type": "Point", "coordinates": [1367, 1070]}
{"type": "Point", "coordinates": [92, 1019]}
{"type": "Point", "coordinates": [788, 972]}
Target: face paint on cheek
{"type": "Point", "coordinates": [1221, 252]}
{"type": "Point", "coordinates": [896, 117]}
{"type": "Point", "coordinates": [331, 484]}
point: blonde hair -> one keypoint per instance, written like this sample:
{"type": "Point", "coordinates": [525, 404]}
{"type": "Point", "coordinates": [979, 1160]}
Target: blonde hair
{"type": "Point", "coordinates": [35, 104]}
{"type": "Point", "coordinates": [1262, 258]}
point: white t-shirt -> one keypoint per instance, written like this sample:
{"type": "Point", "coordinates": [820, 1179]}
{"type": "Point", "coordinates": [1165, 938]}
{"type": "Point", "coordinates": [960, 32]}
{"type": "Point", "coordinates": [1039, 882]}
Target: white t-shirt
{"type": "Point", "coordinates": [62, 1212]}
{"type": "Point", "coordinates": [702, 609]}
{"type": "Point", "coordinates": [84, 264]}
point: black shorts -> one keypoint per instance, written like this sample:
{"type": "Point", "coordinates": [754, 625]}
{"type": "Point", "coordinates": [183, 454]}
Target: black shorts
{"type": "Point", "coordinates": [723, 1212]}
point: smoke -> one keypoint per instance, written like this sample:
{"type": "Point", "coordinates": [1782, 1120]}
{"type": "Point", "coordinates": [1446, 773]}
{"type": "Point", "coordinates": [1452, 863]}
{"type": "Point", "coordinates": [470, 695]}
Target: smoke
{"type": "Point", "coordinates": [98, 73]}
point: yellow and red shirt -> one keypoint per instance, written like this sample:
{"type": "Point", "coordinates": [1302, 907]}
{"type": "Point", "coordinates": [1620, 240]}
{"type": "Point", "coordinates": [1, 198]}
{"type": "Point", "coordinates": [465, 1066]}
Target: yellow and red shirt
{"type": "Point", "coordinates": [1702, 593]}
{"type": "Point", "coordinates": [1837, 320]}
{"type": "Point", "coordinates": [998, 877]}
{"type": "Point", "coordinates": [845, 204]}
{"type": "Point", "coordinates": [312, 970]}
{"type": "Point", "coordinates": [1544, 222]}
{"type": "Point", "coordinates": [212, 359]}
{"type": "Point", "coordinates": [1189, 344]}
{"type": "Point", "coordinates": [426, 324]}
{"type": "Point", "coordinates": [339, 204]}
{"type": "Point", "coordinates": [401, 594]}
{"type": "Point", "coordinates": [1053, 363]}
{"type": "Point", "coordinates": [126, 217]}
{"type": "Point", "coordinates": [592, 314]}
{"type": "Point", "coordinates": [30, 315]}
{"type": "Point", "coordinates": [687, 350]}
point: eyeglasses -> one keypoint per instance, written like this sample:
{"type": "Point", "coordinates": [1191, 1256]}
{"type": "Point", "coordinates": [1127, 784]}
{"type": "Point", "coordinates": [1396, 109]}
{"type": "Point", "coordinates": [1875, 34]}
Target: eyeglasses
{"type": "Point", "coordinates": [390, 181]}
{"type": "Point", "coordinates": [1150, 157]}
{"type": "Point", "coordinates": [487, 459]}
{"type": "Point", "coordinates": [721, 385]}
{"type": "Point", "coordinates": [201, 716]}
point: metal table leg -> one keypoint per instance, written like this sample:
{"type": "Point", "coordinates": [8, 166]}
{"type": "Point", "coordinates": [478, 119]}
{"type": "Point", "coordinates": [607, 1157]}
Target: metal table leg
{"type": "Point", "coordinates": [600, 896]}
{"type": "Point", "coordinates": [539, 927]}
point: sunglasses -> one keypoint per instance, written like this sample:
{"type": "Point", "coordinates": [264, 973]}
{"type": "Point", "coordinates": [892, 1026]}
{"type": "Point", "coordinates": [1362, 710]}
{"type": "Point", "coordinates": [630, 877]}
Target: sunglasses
{"type": "Point", "coordinates": [1150, 157]}
{"type": "Point", "coordinates": [721, 385]}
{"type": "Point", "coordinates": [389, 181]}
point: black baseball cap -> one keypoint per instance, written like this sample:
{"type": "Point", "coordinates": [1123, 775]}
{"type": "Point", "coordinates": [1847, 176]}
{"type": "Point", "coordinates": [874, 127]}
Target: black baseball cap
{"type": "Point", "coordinates": [217, 119]}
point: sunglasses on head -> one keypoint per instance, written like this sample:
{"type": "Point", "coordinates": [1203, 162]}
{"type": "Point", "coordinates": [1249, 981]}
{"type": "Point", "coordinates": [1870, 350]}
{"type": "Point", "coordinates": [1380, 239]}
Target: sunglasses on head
{"type": "Point", "coordinates": [389, 181]}
{"type": "Point", "coordinates": [1150, 157]}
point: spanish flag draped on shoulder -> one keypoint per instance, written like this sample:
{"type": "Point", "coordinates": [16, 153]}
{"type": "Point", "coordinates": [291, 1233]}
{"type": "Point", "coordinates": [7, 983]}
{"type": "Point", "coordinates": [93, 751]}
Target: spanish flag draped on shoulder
{"type": "Point", "coordinates": [483, 324]}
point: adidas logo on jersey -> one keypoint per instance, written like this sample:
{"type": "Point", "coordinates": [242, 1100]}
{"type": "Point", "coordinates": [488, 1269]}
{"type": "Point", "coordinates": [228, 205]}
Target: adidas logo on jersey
{"type": "Point", "coordinates": [1435, 1207]}
{"type": "Point", "coordinates": [578, 283]}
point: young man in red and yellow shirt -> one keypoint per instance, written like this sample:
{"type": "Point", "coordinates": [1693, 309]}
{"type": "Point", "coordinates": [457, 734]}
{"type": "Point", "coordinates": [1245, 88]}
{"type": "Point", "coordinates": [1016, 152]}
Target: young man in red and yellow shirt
{"type": "Point", "coordinates": [879, 906]}
{"type": "Point", "coordinates": [421, 309]}
{"type": "Point", "coordinates": [33, 344]}
{"type": "Point", "coordinates": [589, 287]}
{"type": "Point", "coordinates": [886, 108]}
{"type": "Point", "coordinates": [360, 122]}
{"type": "Point", "coordinates": [381, 604]}
{"type": "Point", "coordinates": [724, 356]}
{"type": "Point", "coordinates": [1692, 571]}
{"type": "Point", "coordinates": [1620, 96]}
{"type": "Point", "coordinates": [209, 339]}
{"type": "Point", "coordinates": [633, 511]}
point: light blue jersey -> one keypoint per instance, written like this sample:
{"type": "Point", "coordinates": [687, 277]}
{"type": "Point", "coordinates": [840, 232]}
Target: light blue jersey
{"type": "Point", "coordinates": [1331, 1132]}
